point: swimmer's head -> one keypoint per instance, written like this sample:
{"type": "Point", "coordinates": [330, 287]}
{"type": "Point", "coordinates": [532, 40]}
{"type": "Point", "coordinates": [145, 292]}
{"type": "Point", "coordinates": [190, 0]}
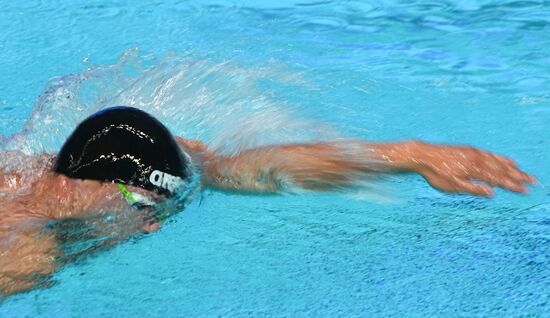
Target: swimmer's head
{"type": "Point", "coordinates": [127, 146]}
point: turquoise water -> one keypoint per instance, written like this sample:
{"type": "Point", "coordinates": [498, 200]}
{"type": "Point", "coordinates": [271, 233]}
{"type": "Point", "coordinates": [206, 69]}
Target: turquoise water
{"type": "Point", "coordinates": [245, 74]}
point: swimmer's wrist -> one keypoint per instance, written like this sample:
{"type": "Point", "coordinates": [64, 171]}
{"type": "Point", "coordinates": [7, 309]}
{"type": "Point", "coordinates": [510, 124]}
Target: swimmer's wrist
{"type": "Point", "coordinates": [406, 156]}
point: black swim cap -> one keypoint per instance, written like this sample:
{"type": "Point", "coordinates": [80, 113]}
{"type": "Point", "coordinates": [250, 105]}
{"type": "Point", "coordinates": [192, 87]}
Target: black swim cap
{"type": "Point", "coordinates": [125, 145]}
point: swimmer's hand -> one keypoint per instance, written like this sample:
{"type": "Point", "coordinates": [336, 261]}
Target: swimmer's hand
{"type": "Point", "coordinates": [456, 169]}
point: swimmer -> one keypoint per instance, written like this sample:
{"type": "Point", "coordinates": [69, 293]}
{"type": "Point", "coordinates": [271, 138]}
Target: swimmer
{"type": "Point", "coordinates": [121, 173]}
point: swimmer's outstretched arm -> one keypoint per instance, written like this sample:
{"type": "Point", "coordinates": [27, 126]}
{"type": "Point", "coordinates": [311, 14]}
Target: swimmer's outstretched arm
{"type": "Point", "coordinates": [334, 165]}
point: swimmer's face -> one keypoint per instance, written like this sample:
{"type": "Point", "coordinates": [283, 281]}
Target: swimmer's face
{"type": "Point", "coordinates": [90, 196]}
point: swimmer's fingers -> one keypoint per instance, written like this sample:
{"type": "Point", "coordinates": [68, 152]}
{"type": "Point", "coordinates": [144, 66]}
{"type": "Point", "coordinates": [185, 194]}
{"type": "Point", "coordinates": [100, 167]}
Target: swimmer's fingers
{"type": "Point", "coordinates": [510, 168]}
{"type": "Point", "coordinates": [504, 182]}
{"type": "Point", "coordinates": [518, 175]}
{"type": "Point", "coordinates": [458, 185]}
{"type": "Point", "coordinates": [502, 172]}
{"type": "Point", "coordinates": [475, 188]}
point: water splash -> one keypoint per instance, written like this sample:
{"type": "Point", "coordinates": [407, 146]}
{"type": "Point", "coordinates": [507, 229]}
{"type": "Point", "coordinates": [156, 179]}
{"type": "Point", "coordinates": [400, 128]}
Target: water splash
{"type": "Point", "coordinates": [217, 102]}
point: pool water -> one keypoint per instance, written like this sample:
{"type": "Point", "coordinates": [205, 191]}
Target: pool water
{"type": "Point", "coordinates": [243, 74]}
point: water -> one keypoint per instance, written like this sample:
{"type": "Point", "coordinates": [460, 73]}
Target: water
{"type": "Point", "coordinates": [246, 74]}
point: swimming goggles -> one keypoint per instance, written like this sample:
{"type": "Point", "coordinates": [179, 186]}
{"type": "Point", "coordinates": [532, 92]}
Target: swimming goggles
{"type": "Point", "coordinates": [135, 199]}
{"type": "Point", "coordinates": [139, 201]}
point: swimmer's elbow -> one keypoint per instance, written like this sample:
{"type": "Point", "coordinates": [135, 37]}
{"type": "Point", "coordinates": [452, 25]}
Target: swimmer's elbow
{"type": "Point", "coordinates": [239, 175]}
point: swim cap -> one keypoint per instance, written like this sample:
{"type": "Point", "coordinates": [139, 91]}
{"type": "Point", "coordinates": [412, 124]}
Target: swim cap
{"type": "Point", "coordinates": [125, 145]}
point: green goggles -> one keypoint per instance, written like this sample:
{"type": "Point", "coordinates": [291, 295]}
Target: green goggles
{"type": "Point", "coordinates": [140, 202]}
{"type": "Point", "coordinates": [135, 199]}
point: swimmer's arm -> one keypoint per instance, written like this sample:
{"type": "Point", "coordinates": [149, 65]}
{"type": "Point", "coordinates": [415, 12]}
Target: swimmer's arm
{"type": "Point", "coordinates": [335, 165]}
{"type": "Point", "coordinates": [27, 259]}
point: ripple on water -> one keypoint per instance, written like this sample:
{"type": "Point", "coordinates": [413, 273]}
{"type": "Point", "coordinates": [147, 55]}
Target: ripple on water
{"type": "Point", "coordinates": [101, 11]}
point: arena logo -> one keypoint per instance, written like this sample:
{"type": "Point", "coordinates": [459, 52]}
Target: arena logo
{"type": "Point", "coordinates": [165, 180]}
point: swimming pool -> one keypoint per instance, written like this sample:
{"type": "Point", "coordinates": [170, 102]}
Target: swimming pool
{"type": "Point", "coordinates": [243, 73]}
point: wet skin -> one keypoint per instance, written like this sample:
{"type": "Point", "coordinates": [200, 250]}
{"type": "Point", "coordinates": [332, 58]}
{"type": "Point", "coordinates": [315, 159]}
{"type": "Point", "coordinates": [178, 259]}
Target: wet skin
{"type": "Point", "coordinates": [29, 254]}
